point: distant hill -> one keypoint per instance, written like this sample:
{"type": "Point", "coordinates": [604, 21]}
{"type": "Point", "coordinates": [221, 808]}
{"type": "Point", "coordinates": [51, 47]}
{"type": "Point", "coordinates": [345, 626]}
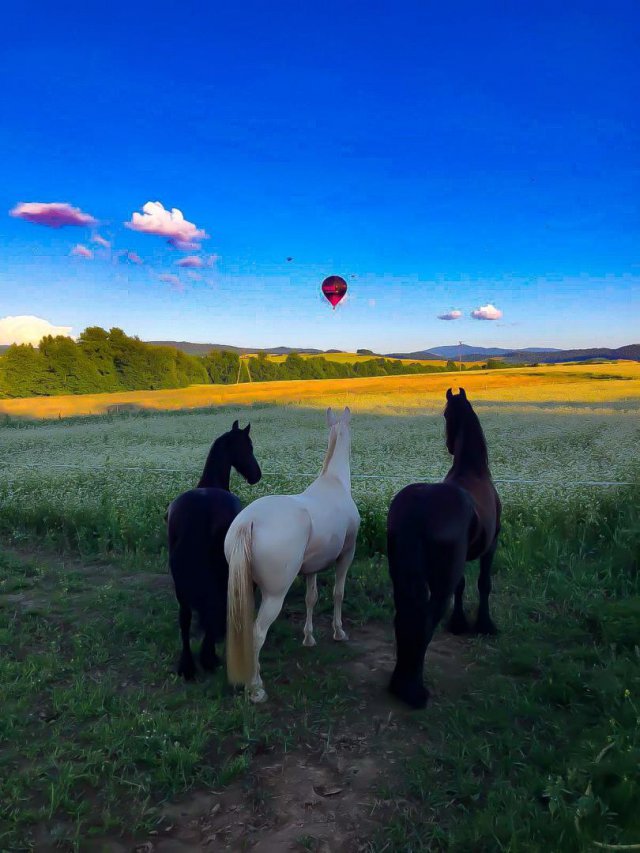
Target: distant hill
{"type": "Point", "coordinates": [469, 352]}
{"type": "Point", "coordinates": [545, 355]}
{"type": "Point", "coordinates": [203, 349]}
{"type": "Point", "coordinates": [630, 352]}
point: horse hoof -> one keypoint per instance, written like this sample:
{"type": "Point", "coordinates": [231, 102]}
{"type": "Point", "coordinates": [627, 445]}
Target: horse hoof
{"type": "Point", "coordinates": [309, 641]}
{"type": "Point", "coordinates": [414, 695]}
{"type": "Point", "coordinates": [210, 663]}
{"type": "Point", "coordinates": [458, 624]}
{"type": "Point", "coordinates": [187, 666]}
{"type": "Point", "coordinates": [258, 694]}
{"type": "Point", "coordinates": [486, 628]}
{"type": "Point", "coordinates": [339, 636]}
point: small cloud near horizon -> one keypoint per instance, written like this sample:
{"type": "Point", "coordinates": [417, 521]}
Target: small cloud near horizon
{"type": "Point", "coordinates": [28, 329]}
{"type": "Point", "coordinates": [81, 251]}
{"type": "Point", "coordinates": [487, 312]}
{"type": "Point", "coordinates": [155, 219]}
{"type": "Point", "coordinates": [371, 303]}
{"type": "Point", "coordinates": [134, 257]}
{"type": "Point", "coordinates": [450, 315]}
{"type": "Point", "coordinates": [100, 241]}
{"type": "Point", "coordinates": [52, 214]}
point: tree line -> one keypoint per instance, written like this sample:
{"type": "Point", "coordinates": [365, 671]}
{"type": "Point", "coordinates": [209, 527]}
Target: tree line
{"type": "Point", "coordinates": [101, 361]}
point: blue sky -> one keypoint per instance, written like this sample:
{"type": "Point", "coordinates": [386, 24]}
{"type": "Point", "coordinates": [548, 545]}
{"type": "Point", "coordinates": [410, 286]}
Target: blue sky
{"type": "Point", "coordinates": [437, 156]}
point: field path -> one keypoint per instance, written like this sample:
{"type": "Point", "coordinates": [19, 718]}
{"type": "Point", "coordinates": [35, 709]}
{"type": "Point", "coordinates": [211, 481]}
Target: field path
{"type": "Point", "coordinates": [333, 793]}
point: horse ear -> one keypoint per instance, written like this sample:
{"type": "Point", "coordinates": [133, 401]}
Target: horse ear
{"type": "Point", "coordinates": [331, 418]}
{"type": "Point", "coordinates": [449, 394]}
{"type": "Point", "coordinates": [235, 425]}
{"type": "Point", "coordinates": [346, 415]}
{"type": "Point", "coordinates": [463, 394]}
{"type": "Point", "coordinates": [247, 428]}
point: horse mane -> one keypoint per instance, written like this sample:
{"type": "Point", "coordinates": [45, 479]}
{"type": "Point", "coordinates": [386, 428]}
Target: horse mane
{"type": "Point", "coordinates": [333, 438]}
{"type": "Point", "coordinates": [474, 452]}
{"type": "Point", "coordinates": [216, 450]}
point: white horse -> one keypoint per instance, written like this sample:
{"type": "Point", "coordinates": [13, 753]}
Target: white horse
{"type": "Point", "coordinates": [277, 537]}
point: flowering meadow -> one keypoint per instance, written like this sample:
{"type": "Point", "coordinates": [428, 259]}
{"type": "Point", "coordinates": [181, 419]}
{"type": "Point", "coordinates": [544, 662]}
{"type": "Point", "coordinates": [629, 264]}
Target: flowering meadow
{"type": "Point", "coordinates": [103, 483]}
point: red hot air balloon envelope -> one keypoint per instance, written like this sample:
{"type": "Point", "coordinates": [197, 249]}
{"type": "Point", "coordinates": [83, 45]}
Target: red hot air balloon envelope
{"type": "Point", "coordinates": [334, 288]}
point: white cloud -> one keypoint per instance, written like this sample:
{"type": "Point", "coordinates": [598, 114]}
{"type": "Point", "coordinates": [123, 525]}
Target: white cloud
{"type": "Point", "coordinates": [191, 261]}
{"type": "Point", "coordinates": [155, 219]}
{"type": "Point", "coordinates": [27, 329]}
{"type": "Point", "coordinates": [173, 280]}
{"type": "Point", "coordinates": [101, 241]}
{"type": "Point", "coordinates": [450, 315]}
{"type": "Point", "coordinates": [81, 251]}
{"type": "Point", "coordinates": [487, 312]}
{"type": "Point", "coordinates": [52, 214]}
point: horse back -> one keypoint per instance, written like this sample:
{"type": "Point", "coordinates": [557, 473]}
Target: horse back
{"type": "Point", "coordinates": [440, 512]}
{"type": "Point", "coordinates": [198, 521]}
{"type": "Point", "coordinates": [487, 508]}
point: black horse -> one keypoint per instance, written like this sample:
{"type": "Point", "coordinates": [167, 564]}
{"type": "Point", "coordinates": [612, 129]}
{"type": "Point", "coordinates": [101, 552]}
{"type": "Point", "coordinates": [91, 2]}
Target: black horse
{"type": "Point", "coordinates": [432, 531]}
{"type": "Point", "coordinates": [197, 522]}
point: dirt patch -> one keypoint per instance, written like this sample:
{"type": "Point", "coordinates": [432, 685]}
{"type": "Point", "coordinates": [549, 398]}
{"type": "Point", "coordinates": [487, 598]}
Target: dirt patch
{"type": "Point", "coordinates": [324, 797]}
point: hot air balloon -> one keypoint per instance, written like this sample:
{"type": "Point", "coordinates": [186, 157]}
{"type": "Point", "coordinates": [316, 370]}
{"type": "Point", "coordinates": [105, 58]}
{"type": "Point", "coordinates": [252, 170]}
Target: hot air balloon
{"type": "Point", "coordinates": [334, 288]}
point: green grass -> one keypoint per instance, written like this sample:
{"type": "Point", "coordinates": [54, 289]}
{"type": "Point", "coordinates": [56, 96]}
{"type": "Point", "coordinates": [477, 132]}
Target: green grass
{"type": "Point", "coordinates": [96, 733]}
{"type": "Point", "coordinates": [507, 767]}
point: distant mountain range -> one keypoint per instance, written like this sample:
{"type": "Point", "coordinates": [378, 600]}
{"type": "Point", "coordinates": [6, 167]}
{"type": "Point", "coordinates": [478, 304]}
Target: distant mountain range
{"type": "Point", "coordinates": [203, 349]}
{"type": "Point", "coordinates": [454, 350]}
{"type": "Point", "coordinates": [527, 355]}
{"type": "Point", "coordinates": [542, 355]}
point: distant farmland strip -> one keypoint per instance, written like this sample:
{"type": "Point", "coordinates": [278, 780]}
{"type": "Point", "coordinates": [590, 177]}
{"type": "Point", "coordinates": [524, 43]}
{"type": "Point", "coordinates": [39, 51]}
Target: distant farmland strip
{"type": "Point", "coordinates": [556, 385]}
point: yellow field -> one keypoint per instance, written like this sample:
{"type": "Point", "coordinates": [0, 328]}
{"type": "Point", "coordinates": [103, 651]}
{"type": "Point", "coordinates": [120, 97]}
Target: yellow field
{"type": "Point", "coordinates": [613, 382]}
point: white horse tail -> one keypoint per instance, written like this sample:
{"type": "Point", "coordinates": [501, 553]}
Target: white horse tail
{"type": "Point", "coordinates": [240, 609]}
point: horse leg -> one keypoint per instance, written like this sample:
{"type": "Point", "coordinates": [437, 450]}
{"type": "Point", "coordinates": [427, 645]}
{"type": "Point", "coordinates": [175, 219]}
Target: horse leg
{"type": "Point", "coordinates": [408, 576]}
{"type": "Point", "coordinates": [484, 623]}
{"type": "Point", "coordinates": [417, 616]}
{"type": "Point", "coordinates": [310, 600]}
{"type": "Point", "coordinates": [208, 656]}
{"type": "Point", "coordinates": [186, 666]}
{"type": "Point", "coordinates": [270, 607]}
{"type": "Point", "coordinates": [342, 567]}
{"type": "Point", "coordinates": [458, 623]}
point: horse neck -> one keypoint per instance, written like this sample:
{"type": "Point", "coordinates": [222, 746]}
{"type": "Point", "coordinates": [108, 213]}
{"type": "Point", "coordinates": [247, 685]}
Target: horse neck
{"type": "Point", "coordinates": [338, 465]}
{"type": "Point", "coordinates": [217, 468]}
{"type": "Point", "coordinates": [470, 452]}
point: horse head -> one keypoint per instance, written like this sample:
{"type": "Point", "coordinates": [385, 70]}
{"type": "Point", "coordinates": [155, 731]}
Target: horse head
{"type": "Point", "coordinates": [241, 453]}
{"type": "Point", "coordinates": [454, 415]}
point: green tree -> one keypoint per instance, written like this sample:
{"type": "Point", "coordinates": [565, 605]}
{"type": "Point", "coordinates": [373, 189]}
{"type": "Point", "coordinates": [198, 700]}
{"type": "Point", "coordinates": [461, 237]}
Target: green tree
{"type": "Point", "coordinates": [97, 346]}
{"type": "Point", "coordinates": [67, 368]}
{"type": "Point", "coordinates": [23, 372]}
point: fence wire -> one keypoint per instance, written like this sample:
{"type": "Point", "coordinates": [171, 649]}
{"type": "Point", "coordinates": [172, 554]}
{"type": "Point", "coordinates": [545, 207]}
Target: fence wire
{"type": "Point", "coordinates": [118, 469]}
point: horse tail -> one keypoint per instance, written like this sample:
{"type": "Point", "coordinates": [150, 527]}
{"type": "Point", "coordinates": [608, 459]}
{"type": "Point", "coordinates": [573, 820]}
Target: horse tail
{"type": "Point", "coordinates": [240, 609]}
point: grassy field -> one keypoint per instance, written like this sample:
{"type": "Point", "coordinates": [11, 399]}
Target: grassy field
{"type": "Point", "coordinates": [102, 747]}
